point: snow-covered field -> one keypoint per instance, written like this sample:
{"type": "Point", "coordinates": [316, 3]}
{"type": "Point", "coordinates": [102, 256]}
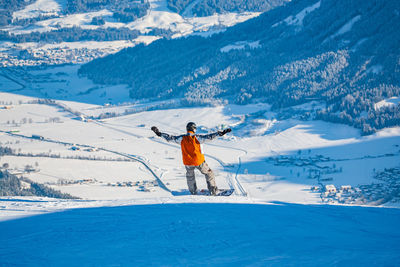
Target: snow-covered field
{"type": "Point", "coordinates": [134, 208]}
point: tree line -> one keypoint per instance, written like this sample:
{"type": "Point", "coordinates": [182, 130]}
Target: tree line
{"type": "Point", "coordinates": [73, 34]}
{"type": "Point", "coordinates": [124, 10]}
{"type": "Point", "coordinates": [204, 8]}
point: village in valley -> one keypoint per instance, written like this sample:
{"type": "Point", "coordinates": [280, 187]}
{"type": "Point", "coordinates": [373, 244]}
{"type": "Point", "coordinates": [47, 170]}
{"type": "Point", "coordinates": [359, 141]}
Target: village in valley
{"type": "Point", "coordinates": [385, 187]}
{"type": "Point", "coordinates": [16, 56]}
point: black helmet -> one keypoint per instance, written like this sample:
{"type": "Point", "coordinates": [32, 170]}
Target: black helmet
{"type": "Point", "coordinates": [191, 126]}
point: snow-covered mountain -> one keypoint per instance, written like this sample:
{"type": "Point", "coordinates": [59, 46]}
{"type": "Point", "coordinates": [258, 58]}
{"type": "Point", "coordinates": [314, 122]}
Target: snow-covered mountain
{"type": "Point", "coordinates": [342, 53]}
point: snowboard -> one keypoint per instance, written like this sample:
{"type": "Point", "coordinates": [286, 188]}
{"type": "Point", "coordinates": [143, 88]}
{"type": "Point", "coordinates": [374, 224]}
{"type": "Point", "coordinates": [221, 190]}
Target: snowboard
{"type": "Point", "coordinates": [221, 192]}
{"type": "Point", "coordinates": [205, 192]}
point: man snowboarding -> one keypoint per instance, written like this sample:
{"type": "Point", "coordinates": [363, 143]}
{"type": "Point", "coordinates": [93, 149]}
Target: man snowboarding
{"type": "Point", "coordinates": [192, 155]}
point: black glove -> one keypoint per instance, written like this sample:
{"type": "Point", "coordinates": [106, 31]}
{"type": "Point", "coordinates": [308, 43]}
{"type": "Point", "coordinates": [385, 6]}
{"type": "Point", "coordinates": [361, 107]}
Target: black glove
{"type": "Point", "coordinates": [221, 133]}
{"type": "Point", "coordinates": [156, 131]}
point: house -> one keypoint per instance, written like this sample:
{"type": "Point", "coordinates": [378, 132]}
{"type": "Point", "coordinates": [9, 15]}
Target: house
{"type": "Point", "coordinates": [345, 188]}
{"type": "Point", "coordinates": [315, 188]}
{"type": "Point", "coordinates": [330, 188]}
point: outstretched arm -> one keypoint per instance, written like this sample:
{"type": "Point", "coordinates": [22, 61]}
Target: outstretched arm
{"type": "Point", "coordinates": [208, 137]}
{"type": "Point", "coordinates": [168, 137]}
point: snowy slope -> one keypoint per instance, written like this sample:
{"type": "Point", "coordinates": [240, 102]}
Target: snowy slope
{"type": "Point", "coordinates": [205, 234]}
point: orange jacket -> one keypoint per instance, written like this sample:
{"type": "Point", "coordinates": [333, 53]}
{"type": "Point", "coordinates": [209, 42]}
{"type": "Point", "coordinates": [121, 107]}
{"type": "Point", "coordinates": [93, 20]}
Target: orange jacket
{"type": "Point", "coordinates": [191, 150]}
{"type": "Point", "coordinates": [190, 146]}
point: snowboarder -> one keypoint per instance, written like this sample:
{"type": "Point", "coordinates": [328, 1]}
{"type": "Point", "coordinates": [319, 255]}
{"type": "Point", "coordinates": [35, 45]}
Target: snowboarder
{"type": "Point", "coordinates": [192, 155]}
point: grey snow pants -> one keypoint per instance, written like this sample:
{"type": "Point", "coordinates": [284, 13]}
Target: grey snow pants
{"type": "Point", "coordinates": [204, 169]}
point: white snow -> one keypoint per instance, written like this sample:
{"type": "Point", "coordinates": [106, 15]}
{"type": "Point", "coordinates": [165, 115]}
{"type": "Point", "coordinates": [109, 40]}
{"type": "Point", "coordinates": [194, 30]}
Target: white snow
{"type": "Point", "coordinates": [115, 45]}
{"type": "Point", "coordinates": [160, 17]}
{"type": "Point", "coordinates": [82, 20]}
{"type": "Point", "coordinates": [345, 28]}
{"type": "Point", "coordinates": [201, 234]}
{"type": "Point", "coordinates": [69, 86]}
{"type": "Point", "coordinates": [240, 46]}
{"type": "Point", "coordinates": [309, 106]}
{"type": "Point", "coordinates": [297, 20]}
{"type": "Point", "coordinates": [393, 101]}
{"type": "Point", "coordinates": [40, 7]}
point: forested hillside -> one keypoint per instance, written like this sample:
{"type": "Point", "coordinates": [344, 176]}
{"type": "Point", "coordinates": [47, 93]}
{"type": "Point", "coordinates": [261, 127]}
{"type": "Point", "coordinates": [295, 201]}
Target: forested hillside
{"type": "Point", "coordinates": [11, 185]}
{"type": "Point", "coordinates": [343, 53]}
{"type": "Point", "coordinates": [72, 34]}
{"type": "Point", "coordinates": [209, 7]}
{"type": "Point", "coordinates": [8, 6]}
{"type": "Point", "coordinates": [123, 10]}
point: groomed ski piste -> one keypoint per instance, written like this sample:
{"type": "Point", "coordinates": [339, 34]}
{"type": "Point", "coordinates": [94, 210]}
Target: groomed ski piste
{"type": "Point", "coordinates": [124, 176]}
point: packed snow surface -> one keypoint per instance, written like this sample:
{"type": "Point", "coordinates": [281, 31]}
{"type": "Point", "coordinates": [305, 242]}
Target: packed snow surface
{"type": "Point", "coordinates": [278, 234]}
